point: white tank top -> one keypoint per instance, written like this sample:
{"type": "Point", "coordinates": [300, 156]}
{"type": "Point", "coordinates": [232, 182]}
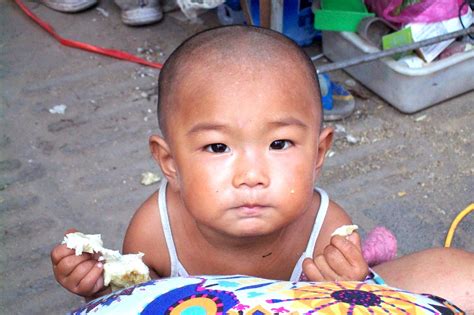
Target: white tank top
{"type": "Point", "coordinates": [178, 270]}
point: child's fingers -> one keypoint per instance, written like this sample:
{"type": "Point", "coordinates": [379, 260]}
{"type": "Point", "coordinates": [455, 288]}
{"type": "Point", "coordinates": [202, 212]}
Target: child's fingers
{"type": "Point", "coordinates": [93, 281]}
{"type": "Point", "coordinates": [354, 238]}
{"type": "Point", "coordinates": [99, 284]}
{"type": "Point", "coordinates": [59, 252]}
{"type": "Point", "coordinates": [73, 281]}
{"type": "Point", "coordinates": [311, 270]}
{"type": "Point", "coordinates": [351, 252]}
{"type": "Point", "coordinates": [69, 264]}
{"type": "Point", "coordinates": [327, 272]}
{"type": "Point", "coordinates": [337, 261]}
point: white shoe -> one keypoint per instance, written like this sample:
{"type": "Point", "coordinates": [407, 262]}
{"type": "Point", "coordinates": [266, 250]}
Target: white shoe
{"type": "Point", "coordinates": [69, 6]}
{"type": "Point", "coordinates": [140, 12]}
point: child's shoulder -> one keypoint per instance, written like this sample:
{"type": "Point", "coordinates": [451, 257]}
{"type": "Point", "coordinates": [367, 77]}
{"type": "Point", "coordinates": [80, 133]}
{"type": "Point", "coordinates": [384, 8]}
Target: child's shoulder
{"type": "Point", "coordinates": [145, 234]}
{"type": "Point", "coordinates": [335, 214]}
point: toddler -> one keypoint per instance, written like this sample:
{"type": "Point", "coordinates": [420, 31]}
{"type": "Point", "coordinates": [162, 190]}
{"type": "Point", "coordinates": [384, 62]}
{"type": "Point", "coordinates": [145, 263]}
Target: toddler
{"type": "Point", "coordinates": [242, 145]}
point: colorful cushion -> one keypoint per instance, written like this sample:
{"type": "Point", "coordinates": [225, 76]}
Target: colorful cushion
{"type": "Point", "coordinates": [249, 295]}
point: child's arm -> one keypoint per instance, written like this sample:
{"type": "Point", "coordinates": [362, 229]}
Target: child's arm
{"type": "Point", "coordinates": [336, 257]}
{"type": "Point", "coordinates": [145, 234]}
{"type": "Point", "coordinates": [82, 275]}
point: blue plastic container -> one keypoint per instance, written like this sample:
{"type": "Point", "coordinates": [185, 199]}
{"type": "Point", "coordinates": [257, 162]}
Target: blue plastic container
{"type": "Point", "coordinates": [298, 18]}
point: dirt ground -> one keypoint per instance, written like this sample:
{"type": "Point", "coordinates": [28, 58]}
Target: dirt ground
{"type": "Point", "coordinates": [82, 169]}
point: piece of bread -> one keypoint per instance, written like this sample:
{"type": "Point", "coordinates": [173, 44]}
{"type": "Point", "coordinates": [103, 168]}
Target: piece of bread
{"type": "Point", "coordinates": [125, 271]}
{"type": "Point", "coordinates": [120, 271]}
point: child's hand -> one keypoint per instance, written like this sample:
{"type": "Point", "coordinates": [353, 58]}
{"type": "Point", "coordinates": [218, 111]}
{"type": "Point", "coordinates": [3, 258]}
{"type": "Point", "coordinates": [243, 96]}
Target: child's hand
{"type": "Point", "coordinates": [342, 260]}
{"type": "Point", "coordinates": [82, 275]}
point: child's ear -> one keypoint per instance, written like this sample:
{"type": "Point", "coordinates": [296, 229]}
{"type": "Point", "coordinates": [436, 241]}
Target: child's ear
{"type": "Point", "coordinates": [325, 142]}
{"type": "Point", "coordinates": [161, 152]}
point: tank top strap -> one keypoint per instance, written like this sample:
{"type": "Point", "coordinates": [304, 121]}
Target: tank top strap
{"type": "Point", "coordinates": [165, 223]}
{"type": "Point", "coordinates": [297, 273]}
{"type": "Point", "coordinates": [318, 222]}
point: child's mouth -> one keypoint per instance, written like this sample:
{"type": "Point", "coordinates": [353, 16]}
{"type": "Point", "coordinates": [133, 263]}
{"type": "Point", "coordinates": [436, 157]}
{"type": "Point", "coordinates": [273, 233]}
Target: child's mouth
{"type": "Point", "coordinates": [250, 210]}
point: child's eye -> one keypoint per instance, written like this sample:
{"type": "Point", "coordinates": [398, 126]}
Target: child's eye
{"type": "Point", "coordinates": [217, 148]}
{"type": "Point", "coordinates": [280, 144]}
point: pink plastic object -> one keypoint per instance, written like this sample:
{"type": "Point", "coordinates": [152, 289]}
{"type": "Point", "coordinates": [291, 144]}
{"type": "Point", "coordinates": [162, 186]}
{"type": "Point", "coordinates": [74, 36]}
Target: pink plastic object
{"type": "Point", "coordinates": [379, 246]}
{"type": "Point", "coordinates": [454, 48]}
{"type": "Point", "coordinates": [423, 11]}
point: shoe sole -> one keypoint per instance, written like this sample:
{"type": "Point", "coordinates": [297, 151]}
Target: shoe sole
{"type": "Point", "coordinates": [341, 109]}
{"type": "Point", "coordinates": [70, 8]}
{"type": "Point", "coordinates": [141, 16]}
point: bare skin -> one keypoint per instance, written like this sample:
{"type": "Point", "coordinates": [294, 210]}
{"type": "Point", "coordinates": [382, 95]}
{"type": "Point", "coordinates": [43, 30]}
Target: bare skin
{"type": "Point", "coordinates": [445, 272]}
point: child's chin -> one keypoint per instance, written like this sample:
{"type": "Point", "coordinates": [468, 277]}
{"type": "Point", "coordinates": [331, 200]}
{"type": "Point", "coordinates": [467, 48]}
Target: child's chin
{"type": "Point", "coordinates": [251, 231]}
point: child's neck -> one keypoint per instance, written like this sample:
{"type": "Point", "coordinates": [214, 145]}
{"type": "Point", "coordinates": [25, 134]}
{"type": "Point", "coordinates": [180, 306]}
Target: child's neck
{"type": "Point", "coordinates": [271, 255]}
{"type": "Point", "coordinates": [262, 244]}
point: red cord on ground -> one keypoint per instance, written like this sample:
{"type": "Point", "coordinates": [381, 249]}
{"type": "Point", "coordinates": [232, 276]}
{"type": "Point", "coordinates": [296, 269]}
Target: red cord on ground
{"type": "Point", "coordinates": [84, 46]}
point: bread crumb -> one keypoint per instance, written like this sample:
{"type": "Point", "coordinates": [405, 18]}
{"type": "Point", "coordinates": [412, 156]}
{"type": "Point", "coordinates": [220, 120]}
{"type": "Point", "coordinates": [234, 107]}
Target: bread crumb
{"type": "Point", "coordinates": [345, 230]}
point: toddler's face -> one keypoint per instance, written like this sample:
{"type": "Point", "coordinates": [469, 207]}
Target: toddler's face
{"type": "Point", "coordinates": [245, 147]}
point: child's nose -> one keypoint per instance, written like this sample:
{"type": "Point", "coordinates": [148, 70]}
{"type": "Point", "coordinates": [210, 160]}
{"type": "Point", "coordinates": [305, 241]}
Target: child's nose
{"type": "Point", "coordinates": [251, 171]}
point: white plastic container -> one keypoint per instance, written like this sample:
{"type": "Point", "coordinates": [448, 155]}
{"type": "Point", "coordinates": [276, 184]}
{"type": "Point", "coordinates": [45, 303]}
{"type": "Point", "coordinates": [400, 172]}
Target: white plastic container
{"type": "Point", "coordinates": [407, 89]}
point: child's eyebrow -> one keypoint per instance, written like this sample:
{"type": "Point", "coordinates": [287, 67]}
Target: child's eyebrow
{"type": "Point", "coordinates": [278, 123]}
{"type": "Point", "coordinates": [206, 127]}
{"type": "Point", "coordinates": [289, 121]}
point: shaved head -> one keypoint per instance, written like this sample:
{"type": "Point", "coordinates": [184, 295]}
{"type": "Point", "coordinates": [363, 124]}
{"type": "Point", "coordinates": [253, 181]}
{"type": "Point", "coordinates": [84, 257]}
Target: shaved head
{"type": "Point", "coordinates": [228, 51]}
